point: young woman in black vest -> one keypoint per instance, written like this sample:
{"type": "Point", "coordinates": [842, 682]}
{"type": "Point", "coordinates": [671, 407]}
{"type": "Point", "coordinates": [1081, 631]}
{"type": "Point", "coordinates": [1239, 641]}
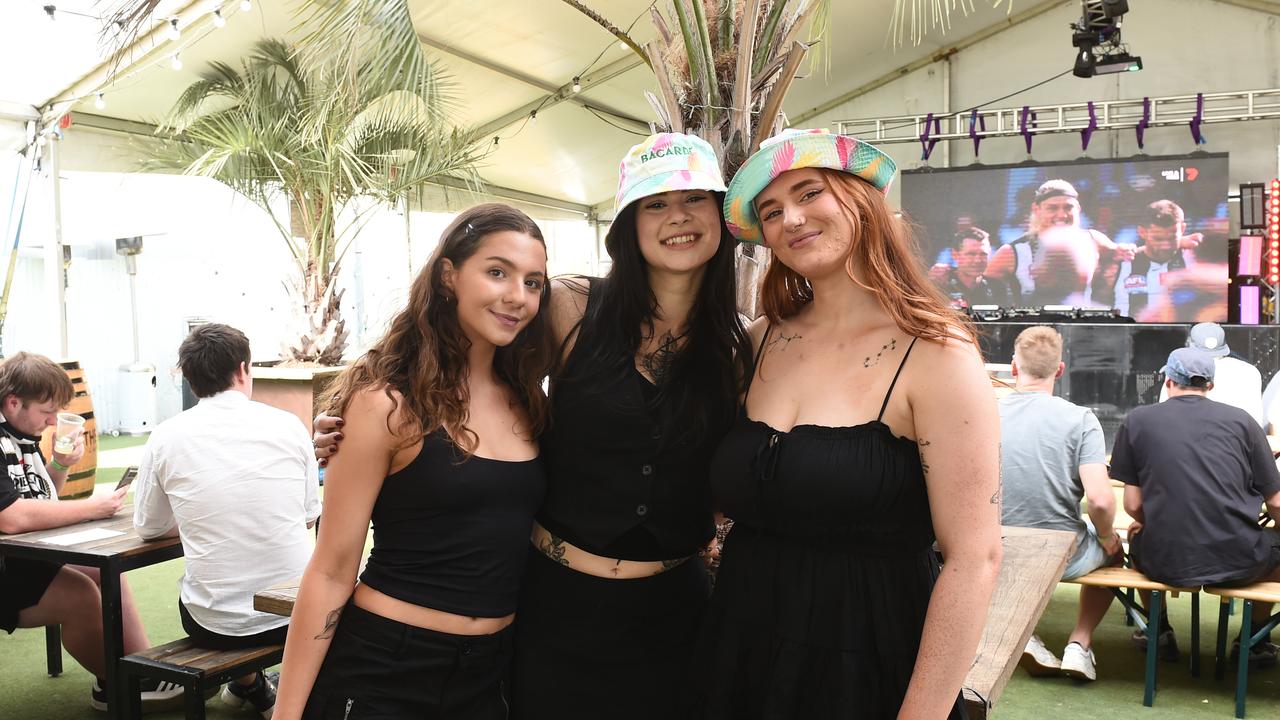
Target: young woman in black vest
{"type": "Point", "coordinates": [441, 417]}
{"type": "Point", "coordinates": [651, 357]}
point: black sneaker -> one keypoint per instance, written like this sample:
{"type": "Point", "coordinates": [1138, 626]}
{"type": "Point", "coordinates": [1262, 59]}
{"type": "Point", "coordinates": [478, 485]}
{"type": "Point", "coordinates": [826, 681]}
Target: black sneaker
{"type": "Point", "coordinates": [1166, 644]}
{"type": "Point", "coordinates": [261, 694]}
{"type": "Point", "coordinates": [1262, 655]}
{"type": "Point", "coordinates": [157, 696]}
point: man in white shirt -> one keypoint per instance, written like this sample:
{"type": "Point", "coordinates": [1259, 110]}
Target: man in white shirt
{"type": "Point", "coordinates": [1235, 382]}
{"type": "Point", "coordinates": [238, 482]}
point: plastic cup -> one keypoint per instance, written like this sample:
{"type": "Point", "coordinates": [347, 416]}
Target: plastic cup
{"type": "Point", "coordinates": [64, 437]}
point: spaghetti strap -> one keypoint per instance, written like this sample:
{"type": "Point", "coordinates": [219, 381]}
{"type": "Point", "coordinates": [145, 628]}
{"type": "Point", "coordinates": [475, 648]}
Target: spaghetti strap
{"type": "Point", "coordinates": [755, 362]}
{"type": "Point", "coordinates": [889, 392]}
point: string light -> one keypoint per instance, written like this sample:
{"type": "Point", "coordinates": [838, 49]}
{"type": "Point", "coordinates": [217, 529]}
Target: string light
{"type": "Point", "coordinates": [176, 62]}
{"type": "Point", "coordinates": [119, 25]}
{"type": "Point", "coordinates": [577, 84]}
{"type": "Point", "coordinates": [98, 102]}
{"type": "Point", "coordinates": [174, 33]}
{"type": "Point", "coordinates": [533, 117]}
{"type": "Point", "coordinates": [245, 5]}
{"type": "Point", "coordinates": [218, 20]}
{"type": "Point", "coordinates": [51, 11]}
{"type": "Point", "coordinates": [1273, 231]}
{"type": "Point", "coordinates": [495, 141]}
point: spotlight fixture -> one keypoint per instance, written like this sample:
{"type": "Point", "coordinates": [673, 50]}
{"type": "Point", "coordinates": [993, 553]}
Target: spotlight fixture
{"type": "Point", "coordinates": [1096, 37]}
{"type": "Point", "coordinates": [218, 20]}
{"type": "Point", "coordinates": [98, 102]}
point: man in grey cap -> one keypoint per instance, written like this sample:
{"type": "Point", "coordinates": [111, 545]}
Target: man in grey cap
{"type": "Point", "coordinates": [1196, 475]}
{"type": "Point", "coordinates": [1236, 382]}
{"type": "Point", "coordinates": [1061, 269]}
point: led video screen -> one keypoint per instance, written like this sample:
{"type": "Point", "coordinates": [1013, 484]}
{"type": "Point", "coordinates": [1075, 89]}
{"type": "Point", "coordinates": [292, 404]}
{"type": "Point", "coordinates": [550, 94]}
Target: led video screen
{"type": "Point", "coordinates": [1146, 236]}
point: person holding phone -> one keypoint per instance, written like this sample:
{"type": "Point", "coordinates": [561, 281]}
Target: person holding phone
{"type": "Point", "coordinates": [33, 389]}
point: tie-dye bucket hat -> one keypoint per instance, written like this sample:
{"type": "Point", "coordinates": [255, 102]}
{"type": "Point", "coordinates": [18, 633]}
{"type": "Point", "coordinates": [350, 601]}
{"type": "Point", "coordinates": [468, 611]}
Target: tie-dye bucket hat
{"type": "Point", "coordinates": [790, 150]}
{"type": "Point", "coordinates": [665, 162]}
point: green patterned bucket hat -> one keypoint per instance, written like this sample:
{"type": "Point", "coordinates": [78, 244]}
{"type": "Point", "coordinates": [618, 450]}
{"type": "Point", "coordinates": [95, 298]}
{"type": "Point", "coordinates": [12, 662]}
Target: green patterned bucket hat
{"type": "Point", "coordinates": [665, 162]}
{"type": "Point", "coordinates": [790, 150]}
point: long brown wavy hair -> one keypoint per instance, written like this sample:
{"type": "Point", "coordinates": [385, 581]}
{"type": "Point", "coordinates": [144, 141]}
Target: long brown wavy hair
{"type": "Point", "coordinates": [423, 356]}
{"type": "Point", "coordinates": [885, 251]}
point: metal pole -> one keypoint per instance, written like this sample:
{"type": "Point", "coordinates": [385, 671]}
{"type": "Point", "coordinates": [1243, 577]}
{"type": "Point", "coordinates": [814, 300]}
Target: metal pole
{"type": "Point", "coordinates": [131, 264]}
{"type": "Point", "coordinates": [57, 259]}
{"type": "Point", "coordinates": [946, 109]}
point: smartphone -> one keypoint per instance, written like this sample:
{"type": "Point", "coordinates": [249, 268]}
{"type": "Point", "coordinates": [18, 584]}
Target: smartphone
{"type": "Point", "coordinates": [129, 474]}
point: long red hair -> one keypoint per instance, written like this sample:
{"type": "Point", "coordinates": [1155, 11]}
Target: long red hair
{"type": "Point", "coordinates": [885, 252]}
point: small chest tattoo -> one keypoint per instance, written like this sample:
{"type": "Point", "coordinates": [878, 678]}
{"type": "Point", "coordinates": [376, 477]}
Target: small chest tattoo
{"type": "Point", "coordinates": [873, 360]}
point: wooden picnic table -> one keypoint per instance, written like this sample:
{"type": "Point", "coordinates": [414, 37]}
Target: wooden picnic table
{"type": "Point", "coordinates": [113, 547]}
{"type": "Point", "coordinates": [1033, 564]}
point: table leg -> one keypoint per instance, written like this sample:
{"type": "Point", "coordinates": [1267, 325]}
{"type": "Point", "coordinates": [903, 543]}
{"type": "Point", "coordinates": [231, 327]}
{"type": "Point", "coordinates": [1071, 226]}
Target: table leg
{"type": "Point", "coordinates": [53, 649]}
{"type": "Point", "coordinates": [112, 638]}
{"type": "Point", "coordinates": [1246, 645]}
{"type": "Point", "coordinates": [1153, 639]}
{"type": "Point", "coordinates": [1195, 634]}
{"type": "Point", "coordinates": [1220, 656]}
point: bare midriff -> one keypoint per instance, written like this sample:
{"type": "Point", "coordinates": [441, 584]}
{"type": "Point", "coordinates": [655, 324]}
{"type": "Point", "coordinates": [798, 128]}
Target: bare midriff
{"type": "Point", "coordinates": [424, 617]}
{"type": "Point", "coordinates": [575, 558]}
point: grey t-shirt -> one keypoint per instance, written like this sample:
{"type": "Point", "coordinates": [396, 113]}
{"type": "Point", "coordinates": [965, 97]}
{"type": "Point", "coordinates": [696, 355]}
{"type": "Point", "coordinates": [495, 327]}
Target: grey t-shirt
{"type": "Point", "coordinates": [1043, 442]}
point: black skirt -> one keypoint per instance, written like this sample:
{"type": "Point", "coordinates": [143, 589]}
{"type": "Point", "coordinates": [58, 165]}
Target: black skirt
{"type": "Point", "coordinates": [589, 647]}
{"type": "Point", "coordinates": [381, 668]}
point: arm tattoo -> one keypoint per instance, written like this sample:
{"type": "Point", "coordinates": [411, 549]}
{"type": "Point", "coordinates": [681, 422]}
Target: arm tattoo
{"type": "Point", "coordinates": [330, 624]}
{"type": "Point", "coordinates": [553, 547]}
{"type": "Point", "coordinates": [924, 464]}
{"type": "Point", "coordinates": [784, 339]}
{"type": "Point", "coordinates": [873, 360]}
{"type": "Point", "coordinates": [658, 362]}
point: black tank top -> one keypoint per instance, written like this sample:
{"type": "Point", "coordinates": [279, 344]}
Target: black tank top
{"type": "Point", "coordinates": [453, 535]}
{"type": "Point", "coordinates": [613, 487]}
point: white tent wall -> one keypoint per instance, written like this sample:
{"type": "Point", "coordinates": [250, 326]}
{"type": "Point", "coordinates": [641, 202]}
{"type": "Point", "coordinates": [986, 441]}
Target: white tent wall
{"type": "Point", "coordinates": [1187, 46]}
{"type": "Point", "coordinates": [209, 254]}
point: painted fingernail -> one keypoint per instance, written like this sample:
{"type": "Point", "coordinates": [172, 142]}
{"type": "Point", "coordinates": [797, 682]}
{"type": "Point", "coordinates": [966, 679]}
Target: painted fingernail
{"type": "Point", "coordinates": [339, 436]}
{"type": "Point", "coordinates": [341, 422]}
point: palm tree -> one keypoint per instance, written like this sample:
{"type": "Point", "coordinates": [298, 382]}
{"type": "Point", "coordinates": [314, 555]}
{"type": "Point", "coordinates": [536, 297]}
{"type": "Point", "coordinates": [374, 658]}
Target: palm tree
{"type": "Point", "coordinates": [318, 130]}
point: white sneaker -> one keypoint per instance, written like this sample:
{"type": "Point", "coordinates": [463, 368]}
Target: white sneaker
{"type": "Point", "coordinates": [1038, 660]}
{"type": "Point", "coordinates": [1079, 663]}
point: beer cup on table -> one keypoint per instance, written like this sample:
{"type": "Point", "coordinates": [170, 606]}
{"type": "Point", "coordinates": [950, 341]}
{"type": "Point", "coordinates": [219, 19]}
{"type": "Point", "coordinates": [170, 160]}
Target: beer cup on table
{"type": "Point", "coordinates": [64, 437]}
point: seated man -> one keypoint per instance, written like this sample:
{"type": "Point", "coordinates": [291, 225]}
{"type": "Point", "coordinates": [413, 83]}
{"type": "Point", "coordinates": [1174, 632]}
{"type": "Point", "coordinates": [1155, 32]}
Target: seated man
{"type": "Point", "coordinates": [1052, 454]}
{"type": "Point", "coordinates": [1236, 382]}
{"type": "Point", "coordinates": [33, 389]}
{"type": "Point", "coordinates": [236, 480]}
{"type": "Point", "coordinates": [1196, 475]}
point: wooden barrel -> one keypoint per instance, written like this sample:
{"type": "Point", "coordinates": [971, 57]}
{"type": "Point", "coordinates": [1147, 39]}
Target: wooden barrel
{"type": "Point", "coordinates": [83, 474]}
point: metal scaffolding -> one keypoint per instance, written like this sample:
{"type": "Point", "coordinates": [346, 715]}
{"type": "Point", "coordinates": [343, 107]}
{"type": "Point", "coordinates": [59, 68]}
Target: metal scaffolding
{"type": "Point", "coordinates": [1028, 121]}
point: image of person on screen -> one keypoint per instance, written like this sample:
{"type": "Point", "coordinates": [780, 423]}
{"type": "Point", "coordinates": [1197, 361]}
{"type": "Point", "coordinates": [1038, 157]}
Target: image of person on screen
{"type": "Point", "coordinates": [1062, 274]}
{"type": "Point", "coordinates": [965, 283]}
{"type": "Point", "coordinates": [1133, 285]}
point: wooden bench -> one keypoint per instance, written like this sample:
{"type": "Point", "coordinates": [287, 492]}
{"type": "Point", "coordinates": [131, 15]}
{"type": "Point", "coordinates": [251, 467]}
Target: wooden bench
{"type": "Point", "coordinates": [1118, 579]}
{"type": "Point", "coordinates": [1265, 592]}
{"type": "Point", "coordinates": [195, 669]}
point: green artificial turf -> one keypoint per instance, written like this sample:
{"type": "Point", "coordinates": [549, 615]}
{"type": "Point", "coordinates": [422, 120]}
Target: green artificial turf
{"type": "Point", "coordinates": [1117, 692]}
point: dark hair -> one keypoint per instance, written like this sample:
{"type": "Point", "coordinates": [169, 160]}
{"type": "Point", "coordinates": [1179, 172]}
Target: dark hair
{"type": "Point", "coordinates": [210, 356]}
{"type": "Point", "coordinates": [423, 356]}
{"type": "Point", "coordinates": [35, 378]}
{"type": "Point", "coordinates": [969, 233]}
{"type": "Point", "coordinates": [699, 393]}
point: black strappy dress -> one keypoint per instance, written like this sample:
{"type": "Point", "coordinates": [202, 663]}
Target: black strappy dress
{"type": "Point", "coordinates": [826, 576]}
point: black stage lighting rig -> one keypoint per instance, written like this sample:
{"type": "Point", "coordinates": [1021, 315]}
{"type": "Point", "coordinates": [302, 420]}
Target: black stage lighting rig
{"type": "Point", "coordinates": [1096, 37]}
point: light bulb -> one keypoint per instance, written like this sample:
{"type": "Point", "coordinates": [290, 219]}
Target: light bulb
{"type": "Point", "coordinates": [577, 84]}
{"type": "Point", "coordinates": [218, 20]}
{"type": "Point", "coordinates": [174, 33]}
{"type": "Point", "coordinates": [245, 5]}
{"type": "Point", "coordinates": [98, 102]}
{"type": "Point", "coordinates": [51, 11]}
{"type": "Point", "coordinates": [176, 62]}
{"type": "Point", "coordinates": [533, 117]}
